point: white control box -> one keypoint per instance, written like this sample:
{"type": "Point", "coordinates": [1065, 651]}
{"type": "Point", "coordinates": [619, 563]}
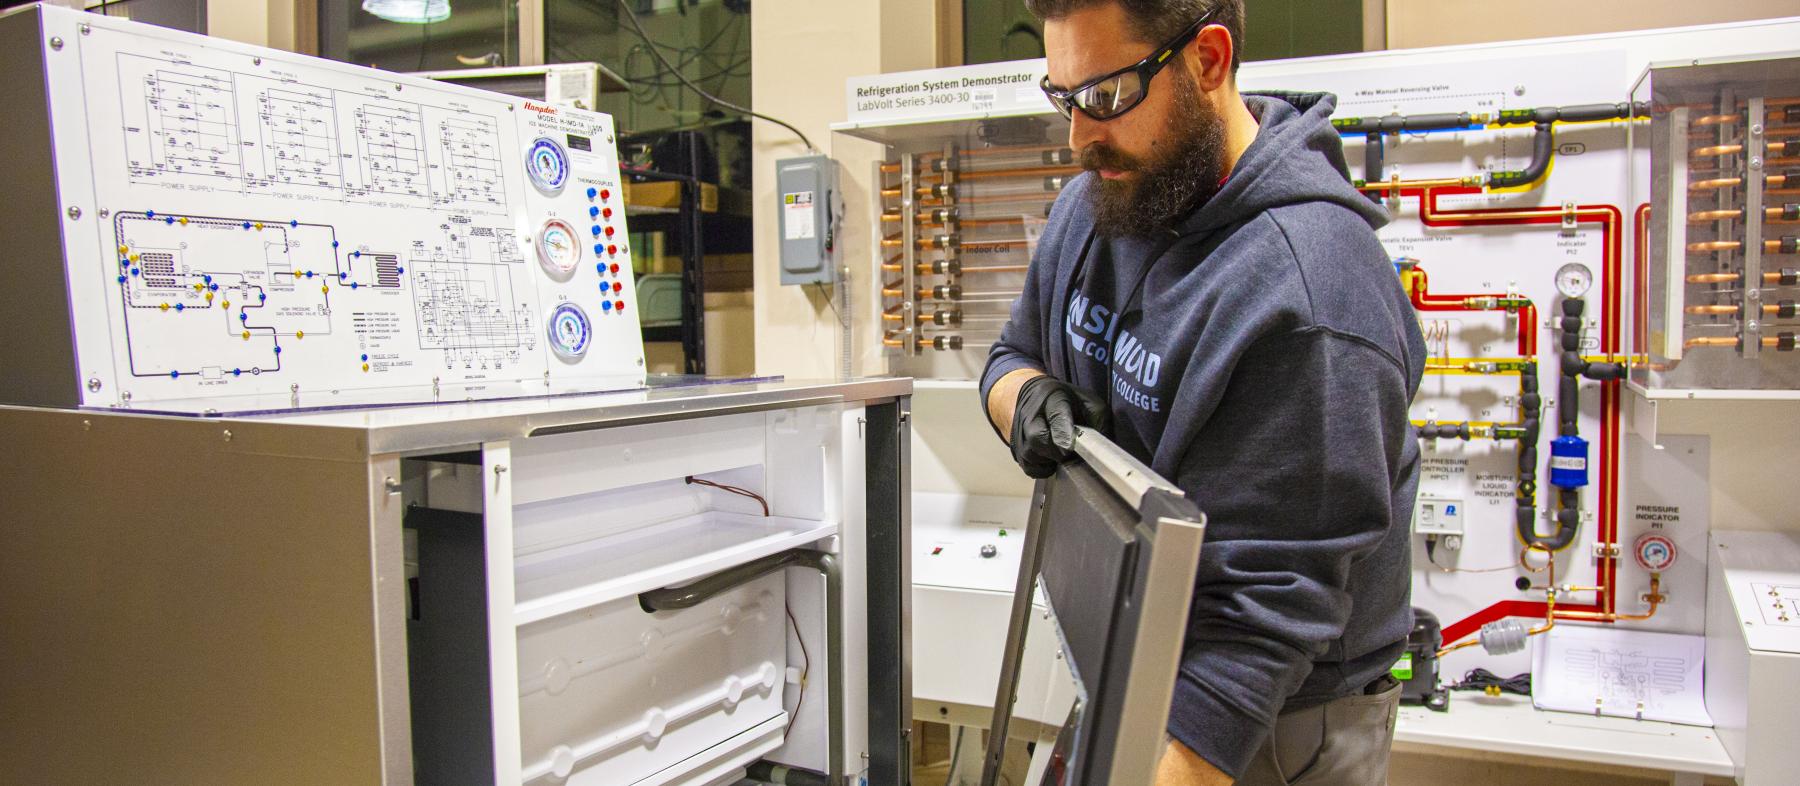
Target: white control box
{"type": "Point", "coordinates": [1438, 516]}
{"type": "Point", "coordinates": [203, 226]}
{"type": "Point", "coordinates": [1753, 651]}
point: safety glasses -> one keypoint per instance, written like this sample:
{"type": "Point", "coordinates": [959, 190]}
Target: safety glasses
{"type": "Point", "coordinates": [1107, 97]}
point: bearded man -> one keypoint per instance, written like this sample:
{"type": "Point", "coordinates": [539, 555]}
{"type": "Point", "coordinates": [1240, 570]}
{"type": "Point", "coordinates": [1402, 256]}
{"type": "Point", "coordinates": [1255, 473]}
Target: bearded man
{"type": "Point", "coordinates": [1211, 295]}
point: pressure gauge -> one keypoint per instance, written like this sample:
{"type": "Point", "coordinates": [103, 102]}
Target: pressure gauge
{"type": "Point", "coordinates": [570, 331]}
{"type": "Point", "coordinates": [557, 249]}
{"type": "Point", "coordinates": [548, 165]}
{"type": "Point", "coordinates": [1574, 279]}
{"type": "Point", "coordinates": [1654, 552]}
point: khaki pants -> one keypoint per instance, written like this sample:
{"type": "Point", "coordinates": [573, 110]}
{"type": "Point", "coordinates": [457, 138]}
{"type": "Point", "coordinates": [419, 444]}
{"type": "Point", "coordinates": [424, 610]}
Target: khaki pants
{"type": "Point", "coordinates": [1340, 743]}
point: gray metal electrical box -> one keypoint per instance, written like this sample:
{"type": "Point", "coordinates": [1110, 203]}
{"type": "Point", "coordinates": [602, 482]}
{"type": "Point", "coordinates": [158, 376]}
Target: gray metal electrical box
{"type": "Point", "coordinates": [808, 188]}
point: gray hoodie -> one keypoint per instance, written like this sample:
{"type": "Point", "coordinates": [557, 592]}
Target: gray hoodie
{"type": "Point", "coordinates": [1265, 363]}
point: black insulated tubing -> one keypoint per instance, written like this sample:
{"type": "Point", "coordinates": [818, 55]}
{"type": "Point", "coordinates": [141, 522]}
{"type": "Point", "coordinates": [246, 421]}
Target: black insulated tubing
{"type": "Point", "coordinates": [770, 772]}
{"type": "Point", "coordinates": [1543, 146]}
{"type": "Point", "coordinates": [1568, 523]}
{"type": "Point", "coordinates": [1579, 113]}
{"type": "Point", "coordinates": [1393, 124]}
{"type": "Point", "coordinates": [1374, 159]}
{"type": "Point", "coordinates": [1444, 431]}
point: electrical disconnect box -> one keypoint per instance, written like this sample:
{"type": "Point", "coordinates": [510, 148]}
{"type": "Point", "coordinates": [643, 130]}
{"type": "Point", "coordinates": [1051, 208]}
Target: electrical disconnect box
{"type": "Point", "coordinates": [808, 189]}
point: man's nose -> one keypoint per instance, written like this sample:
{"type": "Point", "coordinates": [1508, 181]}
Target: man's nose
{"type": "Point", "coordinates": [1084, 131]}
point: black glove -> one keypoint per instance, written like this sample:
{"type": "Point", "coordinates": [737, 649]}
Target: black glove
{"type": "Point", "coordinates": [1044, 421]}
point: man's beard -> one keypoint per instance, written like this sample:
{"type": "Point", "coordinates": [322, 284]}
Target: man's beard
{"type": "Point", "coordinates": [1172, 182]}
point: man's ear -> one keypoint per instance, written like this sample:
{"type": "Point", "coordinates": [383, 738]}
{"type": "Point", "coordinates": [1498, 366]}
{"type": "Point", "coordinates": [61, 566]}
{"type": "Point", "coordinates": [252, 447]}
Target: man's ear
{"type": "Point", "coordinates": [1209, 56]}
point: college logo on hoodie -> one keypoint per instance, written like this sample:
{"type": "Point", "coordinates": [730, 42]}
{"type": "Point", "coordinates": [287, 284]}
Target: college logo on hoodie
{"type": "Point", "coordinates": [1093, 331]}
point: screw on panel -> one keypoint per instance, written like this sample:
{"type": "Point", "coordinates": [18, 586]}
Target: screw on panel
{"type": "Point", "coordinates": [227, 435]}
{"type": "Point", "coordinates": [256, 61]}
{"type": "Point", "coordinates": [1519, 90]}
{"type": "Point", "coordinates": [56, 43]}
{"type": "Point", "coordinates": [87, 425]}
{"type": "Point", "coordinates": [94, 385]}
{"type": "Point", "coordinates": [104, 213]}
{"type": "Point", "coordinates": [1755, 163]}
{"type": "Point", "coordinates": [74, 213]}
{"type": "Point", "coordinates": [1756, 129]}
{"type": "Point", "coordinates": [86, 28]}
{"type": "Point", "coordinates": [391, 485]}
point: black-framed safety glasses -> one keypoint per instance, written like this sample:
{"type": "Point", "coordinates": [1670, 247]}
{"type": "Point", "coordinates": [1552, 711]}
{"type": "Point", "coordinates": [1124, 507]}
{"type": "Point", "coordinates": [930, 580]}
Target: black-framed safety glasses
{"type": "Point", "coordinates": [1107, 97]}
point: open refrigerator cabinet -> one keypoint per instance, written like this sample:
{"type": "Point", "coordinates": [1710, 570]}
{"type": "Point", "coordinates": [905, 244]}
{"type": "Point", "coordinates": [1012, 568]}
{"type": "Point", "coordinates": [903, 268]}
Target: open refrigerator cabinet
{"type": "Point", "coordinates": [1517, 175]}
{"type": "Point", "coordinates": [590, 679]}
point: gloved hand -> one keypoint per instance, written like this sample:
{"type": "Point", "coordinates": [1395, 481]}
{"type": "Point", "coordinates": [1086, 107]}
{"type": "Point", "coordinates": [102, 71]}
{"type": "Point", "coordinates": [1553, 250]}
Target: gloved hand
{"type": "Point", "coordinates": [1044, 421]}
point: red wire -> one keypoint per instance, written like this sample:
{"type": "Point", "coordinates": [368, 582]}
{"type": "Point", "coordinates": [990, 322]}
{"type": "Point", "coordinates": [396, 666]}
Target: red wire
{"type": "Point", "coordinates": [733, 489]}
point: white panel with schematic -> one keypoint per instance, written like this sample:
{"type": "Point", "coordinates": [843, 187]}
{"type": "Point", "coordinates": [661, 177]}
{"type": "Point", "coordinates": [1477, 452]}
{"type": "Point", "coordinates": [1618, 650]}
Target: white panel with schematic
{"type": "Point", "coordinates": [247, 230]}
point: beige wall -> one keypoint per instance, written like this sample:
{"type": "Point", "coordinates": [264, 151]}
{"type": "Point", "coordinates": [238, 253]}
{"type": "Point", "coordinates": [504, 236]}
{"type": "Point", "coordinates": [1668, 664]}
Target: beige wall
{"type": "Point", "coordinates": [282, 24]}
{"type": "Point", "coordinates": [1416, 23]}
{"type": "Point", "coordinates": [802, 52]}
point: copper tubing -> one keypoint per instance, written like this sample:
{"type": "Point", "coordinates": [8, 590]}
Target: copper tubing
{"type": "Point", "coordinates": [1772, 214]}
{"type": "Point", "coordinates": [985, 222]}
{"type": "Point", "coordinates": [1731, 119]}
{"type": "Point", "coordinates": [1732, 150]}
{"type": "Point", "coordinates": [1032, 171]}
{"type": "Point", "coordinates": [1447, 182]}
{"type": "Point", "coordinates": [1727, 278]}
{"type": "Point", "coordinates": [923, 319]}
{"type": "Point", "coordinates": [1033, 196]}
{"type": "Point", "coordinates": [894, 241]}
{"type": "Point", "coordinates": [1769, 246]}
{"type": "Point", "coordinates": [1655, 597]}
{"type": "Point", "coordinates": [1725, 341]}
{"type": "Point", "coordinates": [1730, 182]}
{"type": "Point", "coordinates": [1550, 612]}
{"type": "Point", "coordinates": [998, 151]}
{"type": "Point", "coordinates": [925, 270]}
{"type": "Point", "coordinates": [923, 294]}
{"type": "Point", "coordinates": [891, 218]}
{"type": "Point", "coordinates": [1727, 310]}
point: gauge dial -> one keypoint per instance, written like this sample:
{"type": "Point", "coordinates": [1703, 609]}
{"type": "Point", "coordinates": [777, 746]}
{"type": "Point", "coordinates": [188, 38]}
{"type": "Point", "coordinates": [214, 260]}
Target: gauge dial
{"type": "Point", "coordinates": [548, 165]}
{"type": "Point", "coordinates": [557, 249]}
{"type": "Point", "coordinates": [1574, 279]}
{"type": "Point", "coordinates": [1654, 552]}
{"type": "Point", "coordinates": [570, 331]}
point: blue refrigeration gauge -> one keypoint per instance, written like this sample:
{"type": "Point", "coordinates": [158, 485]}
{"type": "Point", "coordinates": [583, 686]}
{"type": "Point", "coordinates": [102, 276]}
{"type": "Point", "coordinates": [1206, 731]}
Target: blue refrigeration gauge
{"type": "Point", "coordinates": [570, 332]}
{"type": "Point", "coordinates": [548, 165]}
